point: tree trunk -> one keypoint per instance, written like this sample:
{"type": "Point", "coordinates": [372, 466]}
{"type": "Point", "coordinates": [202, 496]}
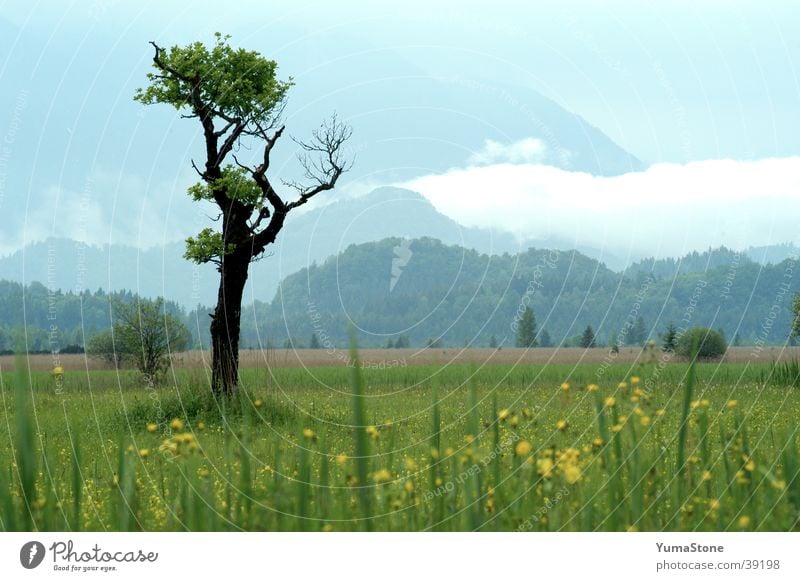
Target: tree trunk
{"type": "Point", "coordinates": [225, 324]}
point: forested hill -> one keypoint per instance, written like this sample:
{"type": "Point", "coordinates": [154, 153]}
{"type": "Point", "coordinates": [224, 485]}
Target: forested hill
{"type": "Point", "coordinates": [50, 319]}
{"type": "Point", "coordinates": [424, 289]}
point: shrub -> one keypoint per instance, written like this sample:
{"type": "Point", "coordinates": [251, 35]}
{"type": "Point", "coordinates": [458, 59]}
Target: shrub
{"type": "Point", "coordinates": [145, 335]}
{"type": "Point", "coordinates": [102, 346]}
{"type": "Point", "coordinates": [710, 344]}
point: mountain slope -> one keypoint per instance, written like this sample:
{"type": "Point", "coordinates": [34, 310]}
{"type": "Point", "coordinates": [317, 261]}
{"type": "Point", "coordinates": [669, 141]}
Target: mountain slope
{"type": "Point", "coordinates": [307, 238]}
{"type": "Point", "coordinates": [425, 289]}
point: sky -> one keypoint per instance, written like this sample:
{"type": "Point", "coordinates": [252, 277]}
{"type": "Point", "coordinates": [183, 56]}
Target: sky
{"type": "Point", "coordinates": [704, 93]}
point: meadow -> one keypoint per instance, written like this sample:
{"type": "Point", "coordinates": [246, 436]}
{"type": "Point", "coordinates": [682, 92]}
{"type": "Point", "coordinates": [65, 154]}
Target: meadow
{"type": "Point", "coordinates": [559, 446]}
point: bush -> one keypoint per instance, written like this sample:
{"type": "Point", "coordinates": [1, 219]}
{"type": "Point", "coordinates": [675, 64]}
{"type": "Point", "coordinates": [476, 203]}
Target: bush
{"type": "Point", "coordinates": [710, 344]}
{"type": "Point", "coordinates": [102, 346]}
{"type": "Point", "coordinates": [145, 335]}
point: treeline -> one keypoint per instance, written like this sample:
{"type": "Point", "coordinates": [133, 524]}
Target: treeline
{"type": "Point", "coordinates": [448, 296]}
{"type": "Point", "coordinates": [39, 319]}
{"type": "Point", "coordinates": [457, 297]}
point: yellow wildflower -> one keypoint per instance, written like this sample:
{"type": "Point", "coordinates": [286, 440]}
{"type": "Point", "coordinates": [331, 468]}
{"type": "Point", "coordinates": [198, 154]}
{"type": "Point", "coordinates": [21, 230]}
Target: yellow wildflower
{"type": "Point", "coordinates": [562, 425]}
{"type": "Point", "coordinates": [545, 467]}
{"type": "Point", "coordinates": [523, 448]}
{"type": "Point", "coordinates": [176, 424]}
{"type": "Point", "coordinates": [572, 473]}
{"type": "Point", "coordinates": [382, 475]}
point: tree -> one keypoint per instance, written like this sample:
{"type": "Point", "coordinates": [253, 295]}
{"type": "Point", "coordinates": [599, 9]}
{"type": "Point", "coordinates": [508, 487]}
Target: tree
{"type": "Point", "coordinates": [707, 343]}
{"type": "Point", "coordinates": [238, 101]}
{"type": "Point", "coordinates": [389, 343]}
{"type": "Point", "coordinates": [402, 342]}
{"type": "Point", "coordinates": [493, 342]}
{"type": "Point", "coordinates": [737, 340]}
{"type": "Point", "coordinates": [434, 343]}
{"type": "Point", "coordinates": [314, 343]}
{"type": "Point", "coordinates": [638, 332]}
{"type": "Point", "coordinates": [796, 319]}
{"type": "Point", "coordinates": [544, 339]}
{"type": "Point", "coordinates": [670, 338]}
{"type": "Point", "coordinates": [102, 346]}
{"type": "Point", "coordinates": [587, 338]}
{"type": "Point", "coordinates": [613, 342]}
{"type": "Point", "coordinates": [145, 334]}
{"type": "Point", "coordinates": [526, 329]}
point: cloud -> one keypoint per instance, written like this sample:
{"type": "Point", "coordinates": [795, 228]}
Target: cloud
{"type": "Point", "coordinates": [666, 210]}
{"type": "Point", "coordinates": [529, 150]}
{"type": "Point", "coordinates": [111, 207]}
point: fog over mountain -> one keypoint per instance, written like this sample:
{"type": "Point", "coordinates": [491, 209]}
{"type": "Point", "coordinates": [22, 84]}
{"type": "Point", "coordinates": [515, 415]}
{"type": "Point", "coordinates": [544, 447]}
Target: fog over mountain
{"type": "Point", "coordinates": [110, 171]}
{"type": "Point", "coordinates": [312, 238]}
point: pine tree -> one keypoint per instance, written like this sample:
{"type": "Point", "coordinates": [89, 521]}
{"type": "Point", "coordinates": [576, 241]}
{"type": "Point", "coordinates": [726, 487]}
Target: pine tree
{"type": "Point", "coordinates": [389, 343]}
{"type": "Point", "coordinates": [544, 339]}
{"type": "Point", "coordinates": [613, 342]}
{"type": "Point", "coordinates": [526, 331]}
{"type": "Point", "coordinates": [639, 332]}
{"type": "Point", "coordinates": [670, 338]}
{"type": "Point", "coordinates": [493, 342]}
{"type": "Point", "coordinates": [587, 339]}
{"type": "Point", "coordinates": [737, 340]}
{"type": "Point", "coordinates": [314, 343]}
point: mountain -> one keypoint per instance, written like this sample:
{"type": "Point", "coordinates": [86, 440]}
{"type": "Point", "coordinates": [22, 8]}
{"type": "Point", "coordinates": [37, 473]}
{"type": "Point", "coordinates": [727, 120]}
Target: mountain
{"type": "Point", "coordinates": [307, 238]}
{"type": "Point", "coordinates": [311, 238]}
{"type": "Point", "coordinates": [773, 254]}
{"type": "Point", "coordinates": [714, 258]}
{"type": "Point", "coordinates": [425, 289]}
{"type": "Point", "coordinates": [691, 262]}
{"type": "Point", "coordinates": [108, 161]}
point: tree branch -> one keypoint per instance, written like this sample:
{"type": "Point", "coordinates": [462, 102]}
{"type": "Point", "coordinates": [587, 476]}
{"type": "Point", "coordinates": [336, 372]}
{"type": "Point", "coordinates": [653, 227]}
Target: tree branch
{"type": "Point", "coordinates": [324, 171]}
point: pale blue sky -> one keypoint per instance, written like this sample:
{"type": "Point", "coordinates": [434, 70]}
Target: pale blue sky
{"type": "Point", "coordinates": [673, 81]}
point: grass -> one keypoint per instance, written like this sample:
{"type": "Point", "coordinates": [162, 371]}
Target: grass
{"type": "Point", "coordinates": [429, 447]}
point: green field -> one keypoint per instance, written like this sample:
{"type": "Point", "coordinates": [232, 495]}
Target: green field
{"type": "Point", "coordinates": [446, 448]}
